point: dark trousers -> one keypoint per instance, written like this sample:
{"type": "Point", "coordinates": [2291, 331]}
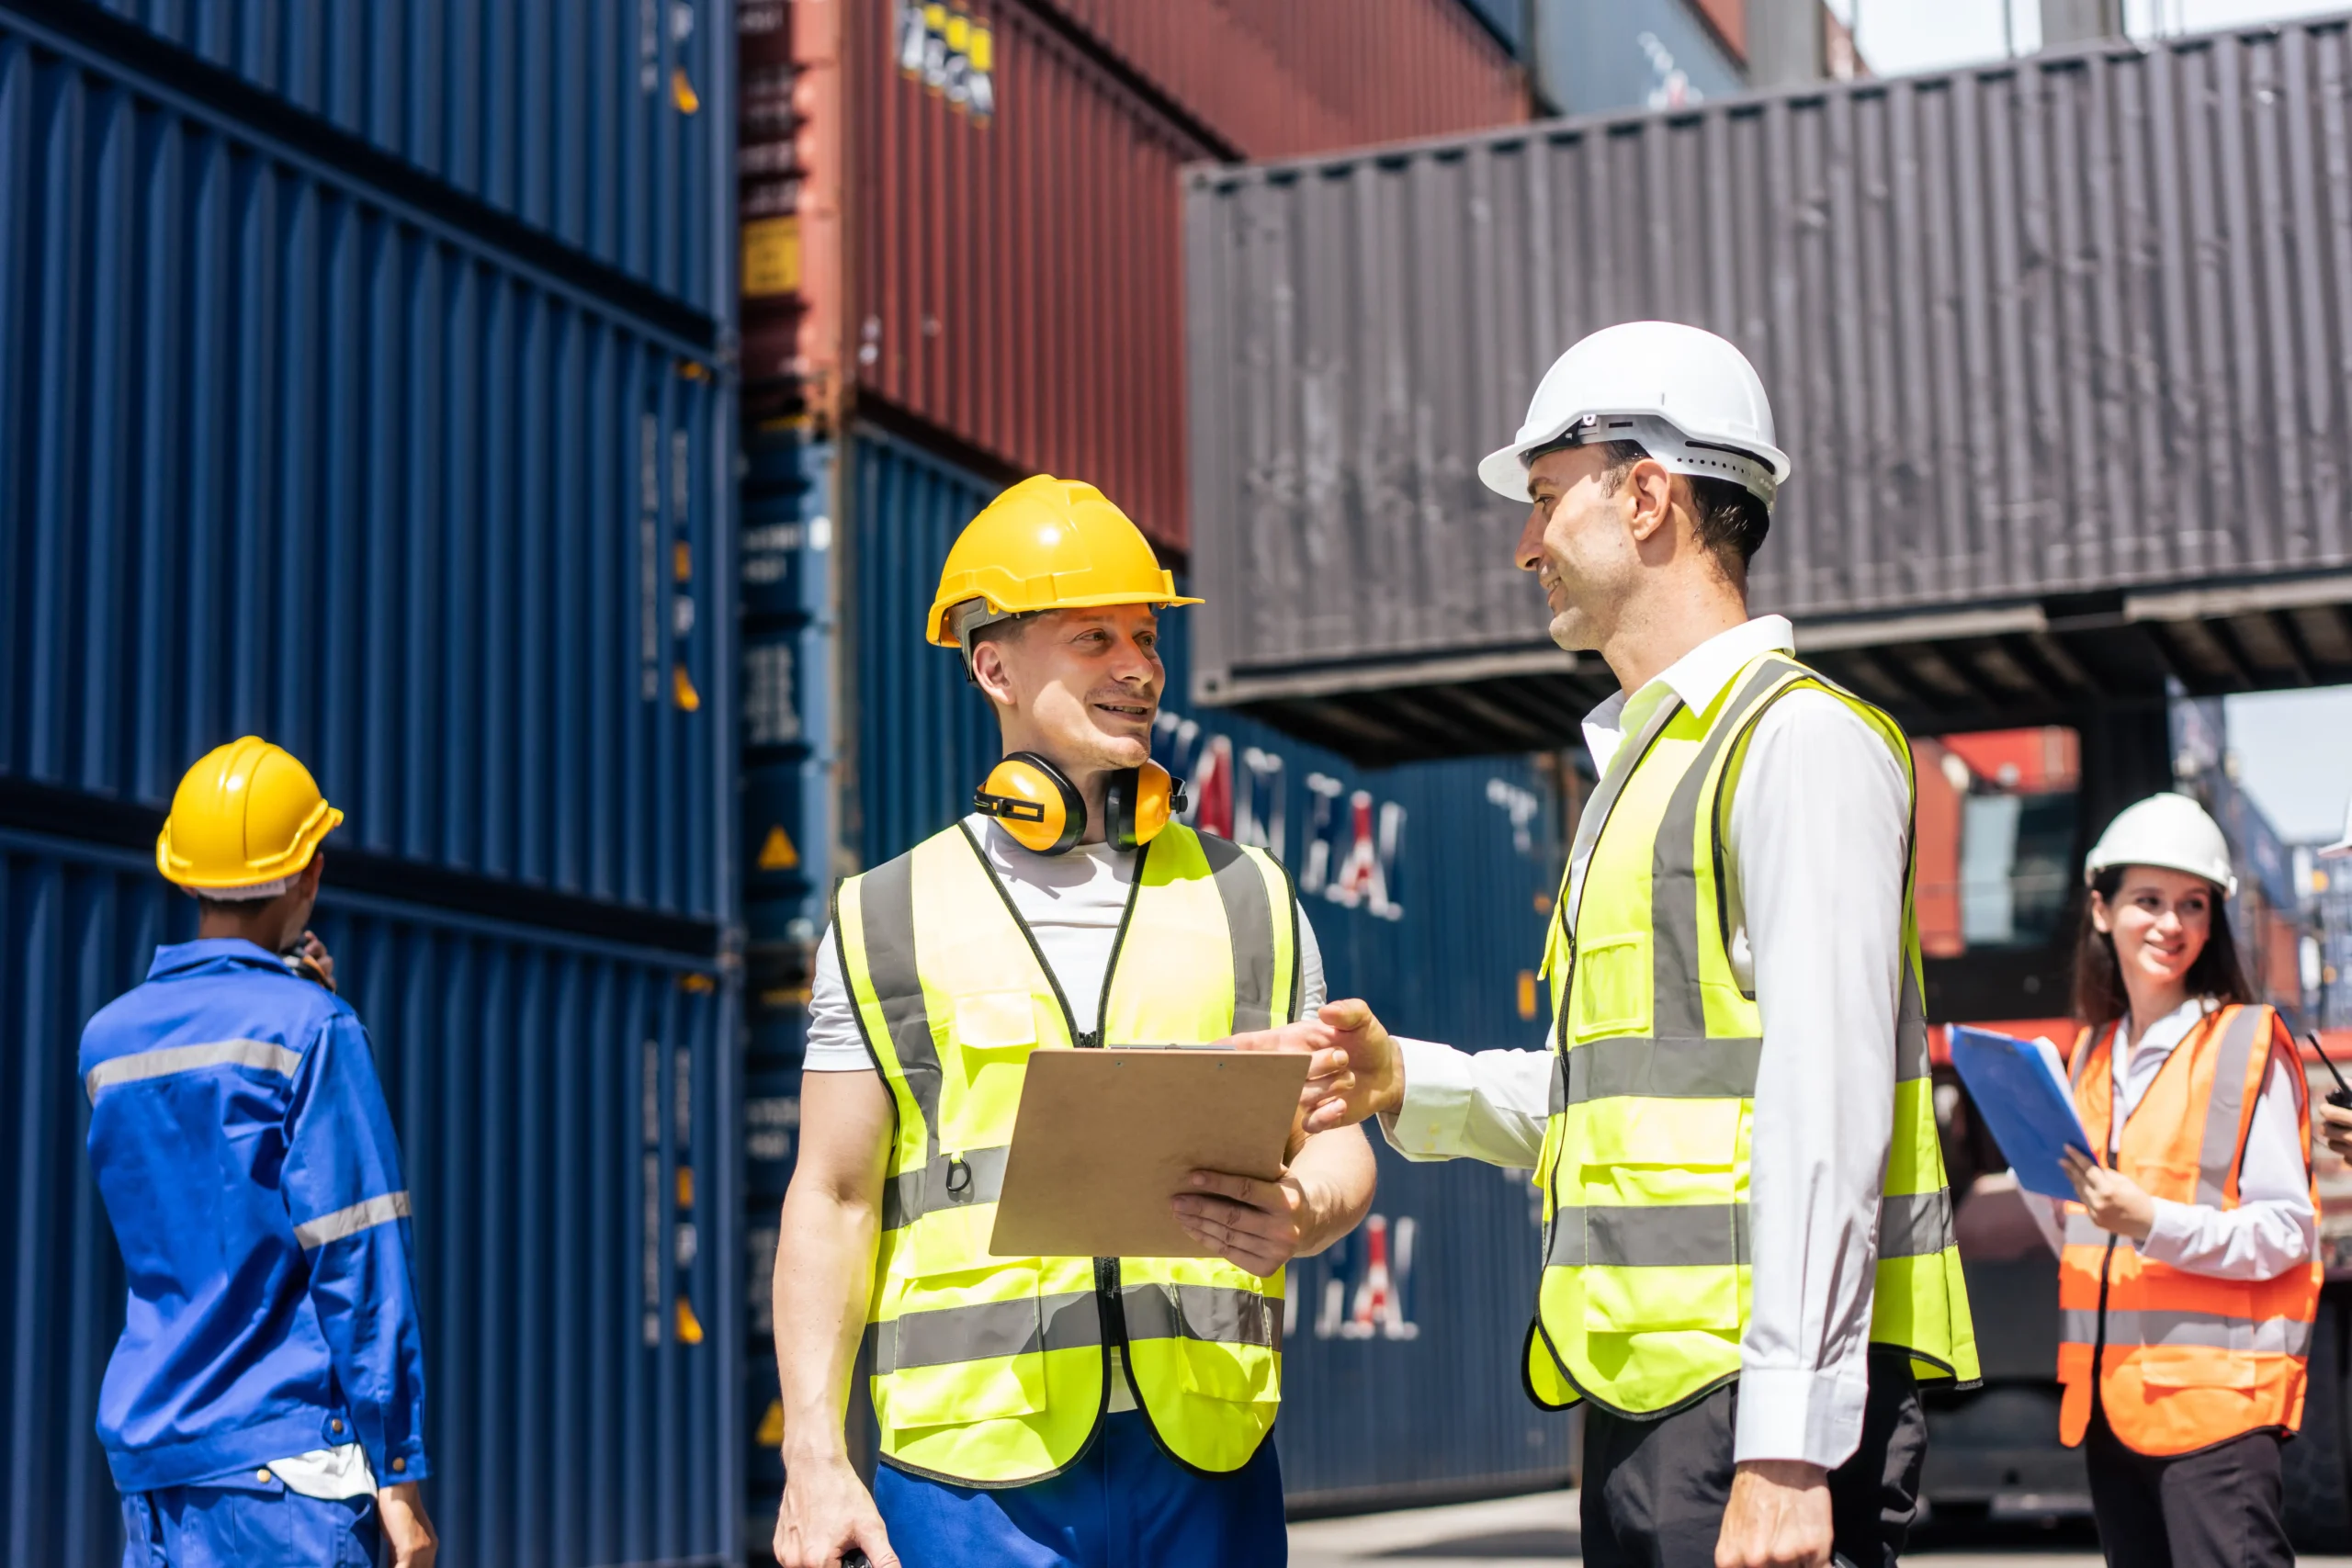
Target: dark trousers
{"type": "Point", "coordinates": [1655, 1490]}
{"type": "Point", "coordinates": [2218, 1507]}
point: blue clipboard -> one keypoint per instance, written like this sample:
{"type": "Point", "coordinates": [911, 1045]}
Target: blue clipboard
{"type": "Point", "coordinates": [2021, 1093]}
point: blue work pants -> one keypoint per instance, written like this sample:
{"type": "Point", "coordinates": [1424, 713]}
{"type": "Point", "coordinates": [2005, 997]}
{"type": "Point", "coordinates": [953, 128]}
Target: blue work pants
{"type": "Point", "coordinates": [259, 1525]}
{"type": "Point", "coordinates": [1123, 1505]}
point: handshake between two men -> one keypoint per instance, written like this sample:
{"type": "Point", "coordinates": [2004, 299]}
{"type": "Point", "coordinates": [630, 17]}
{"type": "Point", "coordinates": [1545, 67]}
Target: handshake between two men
{"type": "Point", "coordinates": [1354, 1073]}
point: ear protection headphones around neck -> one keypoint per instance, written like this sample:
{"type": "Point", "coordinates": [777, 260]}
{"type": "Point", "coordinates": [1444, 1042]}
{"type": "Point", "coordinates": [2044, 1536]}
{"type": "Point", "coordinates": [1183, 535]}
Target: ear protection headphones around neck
{"type": "Point", "coordinates": [1043, 810]}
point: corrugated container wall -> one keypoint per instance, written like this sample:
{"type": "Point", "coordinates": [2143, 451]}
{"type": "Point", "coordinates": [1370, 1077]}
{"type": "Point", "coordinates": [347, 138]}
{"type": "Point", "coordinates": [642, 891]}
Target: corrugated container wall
{"type": "Point", "coordinates": [1015, 263]}
{"type": "Point", "coordinates": [2066, 325]}
{"type": "Point", "coordinates": [560, 1106]}
{"type": "Point", "coordinates": [1019, 257]}
{"type": "Point", "coordinates": [600, 123]}
{"type": "Point", "coordinates": [281, 453]}
{"type": "Point", "coordinates": [1308, 76]}
{"type": "Point", "coordinates": [1428, 888]}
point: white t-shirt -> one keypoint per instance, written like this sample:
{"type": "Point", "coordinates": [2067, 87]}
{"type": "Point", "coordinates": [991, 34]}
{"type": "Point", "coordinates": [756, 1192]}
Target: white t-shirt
{"type": "Point", "coordinates": [1072, 904]}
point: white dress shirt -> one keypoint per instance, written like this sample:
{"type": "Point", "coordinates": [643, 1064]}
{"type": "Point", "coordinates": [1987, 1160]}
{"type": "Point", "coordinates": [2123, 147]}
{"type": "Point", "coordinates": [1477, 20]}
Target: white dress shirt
{"type": "Point", "coordinates": [2272, 1229]}
{"type": "Point", "coordinates": [1816, 849]}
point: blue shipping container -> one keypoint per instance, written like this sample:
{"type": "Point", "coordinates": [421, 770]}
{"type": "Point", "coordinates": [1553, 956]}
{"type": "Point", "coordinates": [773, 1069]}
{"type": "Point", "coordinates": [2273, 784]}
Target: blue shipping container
{"type": "Point", "coordinates": [1428, 887]}
{"type": "Point", "coordinates": [562, 1111]}
{"type": "Point", "coordinates": [282, 452]}
{"type": "Point", "coordinates": [787, 637]}
{"type": "Point", "coordinates": [1627, 54]}
{"type": "Point", "coordinates": [605, 125]}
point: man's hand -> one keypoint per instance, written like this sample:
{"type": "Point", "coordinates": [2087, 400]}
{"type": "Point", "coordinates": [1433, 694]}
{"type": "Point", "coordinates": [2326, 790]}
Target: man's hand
{"type": "Point", "coordinates": [2116, 1202]}
{"type": "Point", "coordinates": [406, 1529]}
{"type": "Point", "coordinates": [1328, 1075]}
{"type": "Point", "coordinates": [827, 1513]}
{"type": "Point", "coordinates": [313, 954]}
{"type": "Point", "coordinates": [1778, 1516]}
{"type": "Point", "coordinates": [1257, 1225]}
{"type": "Point", "coordinates": [2336, 1127]}
{"type": "Point", "coordinates": [1373, 1084]}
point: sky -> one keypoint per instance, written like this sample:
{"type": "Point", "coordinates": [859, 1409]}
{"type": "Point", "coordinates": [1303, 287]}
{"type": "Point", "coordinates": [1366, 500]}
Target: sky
{"type": "Point", "coordinates": [1897, 37]}
{"type": "Point", "coordinates": [2294, 748]}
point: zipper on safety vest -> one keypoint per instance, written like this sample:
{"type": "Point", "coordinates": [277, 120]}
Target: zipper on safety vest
{"type": "Point", "coordinates": [1112, 1310]}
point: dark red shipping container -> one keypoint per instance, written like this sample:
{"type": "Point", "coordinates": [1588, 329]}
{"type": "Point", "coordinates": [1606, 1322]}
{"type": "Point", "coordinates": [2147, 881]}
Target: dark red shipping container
{"type": "Point", "coordinates": [1018, 271]}
{"type": "Point", "coordinates": [1013, 203]}
{"type": "Point", "coordinates": [1278, 80]}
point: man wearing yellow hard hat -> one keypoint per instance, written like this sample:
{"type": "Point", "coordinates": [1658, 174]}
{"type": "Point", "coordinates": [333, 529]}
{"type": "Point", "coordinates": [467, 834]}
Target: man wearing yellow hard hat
{"type": "Point", "coordinates": [1043, 1410]}
{"type": "Point", "coordinates": [265, 1402]}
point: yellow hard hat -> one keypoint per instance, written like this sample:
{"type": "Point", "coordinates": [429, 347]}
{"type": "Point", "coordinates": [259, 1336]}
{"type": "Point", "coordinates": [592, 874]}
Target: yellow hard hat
{"type": "Point", "coordinates": [1048, 544]}
{"type": "Point", "coordinates": [244, 822]}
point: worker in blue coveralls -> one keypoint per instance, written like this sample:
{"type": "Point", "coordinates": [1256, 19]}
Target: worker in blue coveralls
{"type": "Point", "coordinates": [266, 1403]}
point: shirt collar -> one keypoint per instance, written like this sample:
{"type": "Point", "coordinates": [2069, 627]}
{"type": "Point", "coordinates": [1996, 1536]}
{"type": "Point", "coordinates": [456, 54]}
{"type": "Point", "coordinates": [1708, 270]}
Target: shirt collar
{"type": "Point", "coordinates": [1697, 678]}
{"type": "Point", "coordinates": [175, 957]}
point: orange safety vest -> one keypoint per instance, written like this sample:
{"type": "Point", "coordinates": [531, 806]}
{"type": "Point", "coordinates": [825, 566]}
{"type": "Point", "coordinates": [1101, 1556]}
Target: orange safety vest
{"type": "Point", "coordinates": [2182, 1360]}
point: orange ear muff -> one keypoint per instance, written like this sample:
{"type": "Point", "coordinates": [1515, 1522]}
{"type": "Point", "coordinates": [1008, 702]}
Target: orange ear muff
{"type": "Point", "coordinates": [1035, 803]}
{"type": "Point", "coordinates": [1139, 802]}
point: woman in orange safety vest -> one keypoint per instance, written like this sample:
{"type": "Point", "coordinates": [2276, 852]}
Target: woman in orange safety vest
{"type": "Point", "coordinates": [2187, 1274]}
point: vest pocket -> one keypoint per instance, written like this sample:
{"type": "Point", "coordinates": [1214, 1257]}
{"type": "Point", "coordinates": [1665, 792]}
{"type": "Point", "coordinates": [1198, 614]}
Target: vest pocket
{"type": "Point", "coordinates": [1610, 992]}
{"type": "Point", "coordinates": [995, 1020]}
{"type": "Point", "coordinates": [965, 1347]}
{"type": "Point", "coordinates": [2186, 1365]}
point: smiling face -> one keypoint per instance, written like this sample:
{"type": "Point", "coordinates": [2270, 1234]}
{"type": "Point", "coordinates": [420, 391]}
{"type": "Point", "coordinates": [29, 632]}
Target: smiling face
{"type": "Point", "coordinates": [1080, 686]}
{"type": "Point", "coordinates": [1588, 518]}
{"type": "Point", "coordinates": [2160, 920]}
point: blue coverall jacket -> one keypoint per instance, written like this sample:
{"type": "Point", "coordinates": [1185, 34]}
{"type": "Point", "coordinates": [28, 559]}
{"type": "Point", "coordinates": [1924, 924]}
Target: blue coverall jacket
{"type": "Point", "coordinates": [243, 1152]}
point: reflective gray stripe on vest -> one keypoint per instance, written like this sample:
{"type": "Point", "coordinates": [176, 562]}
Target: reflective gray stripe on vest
{"type": "Point", "coordinates": [2225, 1109]}
{"type": "Point", "coordinates": [949, 1181]}
{"type": "Point", "coordinates": [2081, 1232]}
{"type": "Point", "coordinates": [886, 904]}
{"type": "Point", "coordinates": [1911, 1059]}
{"type": "Point", "coordinates": [1250, 928]}
{"type": "Point", "coordinates": [985, 1331]}
{"type": "Point", "coordinates": [2202, 1330]}
{"type": "Point", "coordinates": [1678, 1007]}
{"type": "Point", "coordinates": [1647, 1236]}
{"type": "Point", "coordinates": [165, 1060]}
{"type": "Point", "coordinates": [1915, 1224]}
{"type": "Point", "coordinates": [366, 1214]}
{"type": "Point", "coordinates": [1156, 1310]}
{"type": "Point", "coordinates": [1662, 1069]}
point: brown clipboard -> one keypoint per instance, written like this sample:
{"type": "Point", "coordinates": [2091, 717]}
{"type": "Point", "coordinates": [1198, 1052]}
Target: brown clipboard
{"type": "Point", "coordinates": [1104, 1138]}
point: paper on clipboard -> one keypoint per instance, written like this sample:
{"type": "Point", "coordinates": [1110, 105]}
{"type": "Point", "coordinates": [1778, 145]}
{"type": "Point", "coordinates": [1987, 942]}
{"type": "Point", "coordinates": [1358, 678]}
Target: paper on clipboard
{"type": "Point", "coordinates": [1103, 1139]}
{"type": "Point", "coordinates": [2020, 1087]}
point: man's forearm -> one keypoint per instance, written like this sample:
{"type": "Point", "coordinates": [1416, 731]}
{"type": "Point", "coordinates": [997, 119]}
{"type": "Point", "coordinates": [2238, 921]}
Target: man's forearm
{"type": "Point", "coordinates": [825, 1273]}
{"type": "Point", "coordinates": [1337, 1175]}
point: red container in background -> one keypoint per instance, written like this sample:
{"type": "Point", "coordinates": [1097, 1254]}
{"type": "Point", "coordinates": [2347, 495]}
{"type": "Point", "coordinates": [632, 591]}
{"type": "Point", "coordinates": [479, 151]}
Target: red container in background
{"type": "Point", "coordinates": [1275, 80]}
{"type": "Point", "coordinates": [1000, 273]}
{"type": "Point", "coordinates": [1017, 273]}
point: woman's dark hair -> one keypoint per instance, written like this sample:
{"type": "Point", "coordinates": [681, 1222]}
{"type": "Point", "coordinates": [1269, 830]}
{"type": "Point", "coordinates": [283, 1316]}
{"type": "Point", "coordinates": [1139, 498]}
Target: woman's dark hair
{"type": "Point", "coordinates": [2099, 996]}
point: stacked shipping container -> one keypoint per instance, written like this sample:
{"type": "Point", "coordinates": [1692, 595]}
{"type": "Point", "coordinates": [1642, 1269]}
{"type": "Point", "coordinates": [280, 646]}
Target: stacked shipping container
{"type": "Point", "coordinates": [358, 388]}
{"type": "Point", "coordinates": [1008, 280]}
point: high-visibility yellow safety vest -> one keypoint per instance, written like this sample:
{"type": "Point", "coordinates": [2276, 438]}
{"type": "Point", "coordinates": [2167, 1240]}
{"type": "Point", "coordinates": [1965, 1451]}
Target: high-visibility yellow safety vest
{"type": "Point", "coordinates": [990, 1371]}
{"type": "Point", "coordinates": [1645, 1169]}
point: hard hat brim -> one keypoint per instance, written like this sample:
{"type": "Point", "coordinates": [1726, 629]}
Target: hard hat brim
{"type": "Point", "coordinates": [1504, 470]}
{"type": "Point", "coordinates": [2227, 883]}
{"type": "Point", "coordinates": [2337, 850]}
{"type": "Point", "coordinates": [939, 636]}
{"type": "Point", "coordinates": [259, 883]}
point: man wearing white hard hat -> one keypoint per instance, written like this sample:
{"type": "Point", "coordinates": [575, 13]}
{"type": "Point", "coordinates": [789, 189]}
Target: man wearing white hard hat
{"type": "Point", "coordinates": [1748, 1255]}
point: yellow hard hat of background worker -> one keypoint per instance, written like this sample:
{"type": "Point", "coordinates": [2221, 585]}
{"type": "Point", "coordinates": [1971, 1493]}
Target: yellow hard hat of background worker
{"type": "Point", "coordinates": [244, 822]}
{"type": "Point", "coordinates": [1047, 544]}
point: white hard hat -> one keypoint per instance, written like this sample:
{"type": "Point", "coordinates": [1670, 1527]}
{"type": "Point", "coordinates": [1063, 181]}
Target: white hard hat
{"type": "Point", "coordinates": [2342, 846]}
{"type": "Point", "coordinates": [2169, 830]}
{"type": "Point", "coordinates": [1690, 399]}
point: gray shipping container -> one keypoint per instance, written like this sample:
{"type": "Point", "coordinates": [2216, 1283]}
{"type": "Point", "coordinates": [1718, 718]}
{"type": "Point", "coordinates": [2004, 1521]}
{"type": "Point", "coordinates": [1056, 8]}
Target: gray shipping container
{"type": "Point", "coordinates": [564, 1110]}
{"type": "Point", "coordinates": [2058, 347]}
